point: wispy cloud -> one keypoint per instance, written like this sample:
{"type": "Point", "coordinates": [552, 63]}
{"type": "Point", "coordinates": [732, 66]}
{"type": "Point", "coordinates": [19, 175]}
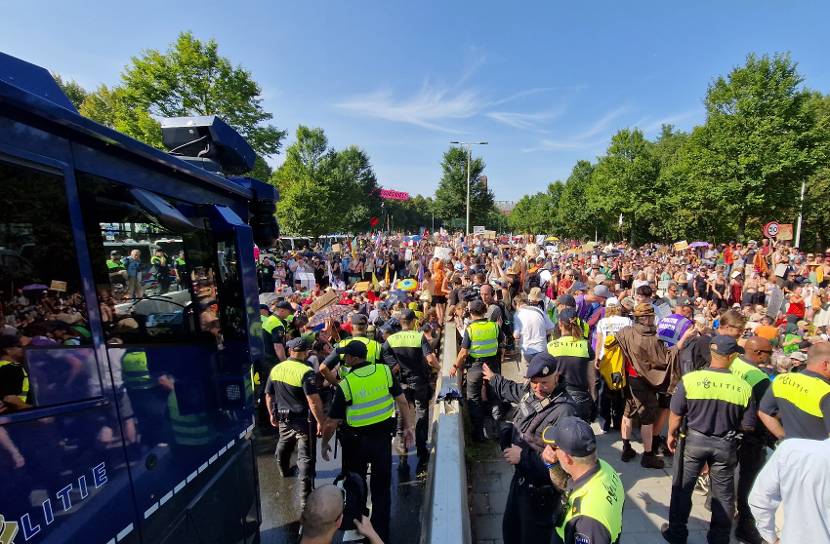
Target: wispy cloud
{"type": "Point", "coordinates": [586, 139]}
{"type": "Point", "coordinates": [429, 108]}
{"type": "Point", "coordinates": [525, 120]}
{"type": "Point", "coordinates": [649, 125]}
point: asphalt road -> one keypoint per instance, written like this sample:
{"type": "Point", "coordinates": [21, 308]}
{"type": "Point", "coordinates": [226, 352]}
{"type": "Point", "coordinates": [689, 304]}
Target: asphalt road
{"type": "Point", "coordinates": [280, 496]}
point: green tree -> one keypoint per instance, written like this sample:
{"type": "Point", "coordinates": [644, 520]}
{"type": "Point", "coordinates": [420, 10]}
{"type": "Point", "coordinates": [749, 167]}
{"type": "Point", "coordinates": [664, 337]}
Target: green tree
{"type": "Point", "coordinates": [451, 195]}
{"type": "Point", "coordinates": [758, 140]}
{"type": "Point", "coordinates": [261, 170]}
{"type": "Point", "coordinates": [72, 89]}
{"type": "Point", "coordinates": [360, 192]}
{"type": "Point", "coordinates": [191, 78]}
{"type": "Point", "coordinates": [624, 182]}
{"type": "Point", "coordinates": [572, 214]}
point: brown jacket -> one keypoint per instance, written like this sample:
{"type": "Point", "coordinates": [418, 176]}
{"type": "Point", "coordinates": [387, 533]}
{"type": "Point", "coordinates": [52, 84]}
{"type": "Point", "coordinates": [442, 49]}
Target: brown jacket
{"type": "Point", "coordinates": [649, 356]}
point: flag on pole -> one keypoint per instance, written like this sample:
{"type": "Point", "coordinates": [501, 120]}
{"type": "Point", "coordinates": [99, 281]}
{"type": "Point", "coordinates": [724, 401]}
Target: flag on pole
{"type": "Point", "coordinates": [375, 283]}
{"type": "Point", "coordinates": [386, 276]}
{"type": "Point", "coordinates": [394, 280]}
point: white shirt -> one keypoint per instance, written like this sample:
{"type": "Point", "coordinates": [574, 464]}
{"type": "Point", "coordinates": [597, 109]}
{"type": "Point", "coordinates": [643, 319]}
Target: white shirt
{"type": "Point", "coordinates": [531, 326]}
{"type": "Point", "coordinates": [797, 475]}
{"type": "Point", "coordinates": [606, 326]}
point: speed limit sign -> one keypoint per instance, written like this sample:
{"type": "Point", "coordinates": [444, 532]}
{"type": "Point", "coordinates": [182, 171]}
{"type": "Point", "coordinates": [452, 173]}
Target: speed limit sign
{"type": "Point", "coordinates": [772, 229]}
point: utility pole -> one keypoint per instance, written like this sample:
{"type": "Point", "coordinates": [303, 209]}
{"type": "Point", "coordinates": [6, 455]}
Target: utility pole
{"type": "Point", "coordinates": [469, 146]}
{"type": "Point", "coordinates": [800, 211]}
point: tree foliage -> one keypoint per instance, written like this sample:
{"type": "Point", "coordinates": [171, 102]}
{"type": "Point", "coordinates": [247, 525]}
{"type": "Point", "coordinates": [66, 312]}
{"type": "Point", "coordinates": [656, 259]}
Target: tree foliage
{"type": "Point", "coordinates": [764, 134]}
{"type": "Point", "coordinates": [451, 195]}
{"type": "Point", "coordinates": [72, 89]}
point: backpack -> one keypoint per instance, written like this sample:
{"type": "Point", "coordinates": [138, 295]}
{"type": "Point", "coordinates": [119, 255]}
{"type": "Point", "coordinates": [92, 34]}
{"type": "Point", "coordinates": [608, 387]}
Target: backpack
{"type": "Point", "coordinates": [612, 364]}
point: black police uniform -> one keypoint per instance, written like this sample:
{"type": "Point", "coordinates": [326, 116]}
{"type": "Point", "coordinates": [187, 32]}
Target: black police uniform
{"type": "Point", "coordinates": [717, 406]}
{"type": "Point", "coordinates": [289, 384]}
{"type": "Point", "coordinates": [532, 501]}
{"type": "Point", "coordinates": [752, 449]}
{"type": "Point", "coordinates": [475, 380]}
{"type": "Point", "coordinates": [802, 401]}
{"type": "Point", "coordinates": [408, 351]}
{"type": "Point", "coordinates": [369, 445]}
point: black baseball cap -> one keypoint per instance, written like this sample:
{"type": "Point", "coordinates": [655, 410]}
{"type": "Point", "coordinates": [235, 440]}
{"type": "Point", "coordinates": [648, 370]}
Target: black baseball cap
{"type": "Point", "coordinates": [408, 315]}
{"type": "Point", "coordinates": [478, 307]}
{"type": "Point", "coordinates": [360, 319]}
{"type": "Point", "coordinates": [298, 344]}
{"type": "Point", "coordinates": [542, 365]}
{"type": "Point", "coordinates": [284, 305]}
{"type": "Point", "coordinates": [571, 435]}
{"type": "Point", "coordinates": [355, 348]}
{"type": "Point", "coordinates": [725, 345]}
{"type": "Point", "coordinates": [567, 314]}
{"type": "Point", "coordinates": [264, 307]}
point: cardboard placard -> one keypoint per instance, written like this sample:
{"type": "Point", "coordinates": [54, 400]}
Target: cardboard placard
{"type": "Point", "coordinates": [307, 280]}
{"type": "Point", "coordinates": [775, 302]}
{"type": "Point", "coordinates": [785, 232]}
{"type": "Point", "coordinates": [58, 286]}
{"type": "Point", "coordinates": [532, 250]}
{"type": "Point", "coordinates": [681, 246]}
{"type": "Point", "coordinates": [336, 248]}
{"type": "Point", "coordinates": [326, 299]}
{"type": "Point", "coordinates": [489, 234]}
{"type": "Point", "coordinates": [478, 229]}
{"type": "Point", "coordinates": [361, 286]}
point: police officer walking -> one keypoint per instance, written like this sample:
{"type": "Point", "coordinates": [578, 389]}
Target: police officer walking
{"type": "Point", "coordinates": [291, 391]}
{"type": "Point", "coordinates": [542, 401]}
{"type": "Point", "coordinates": [409, 353]}
{"type": "Point", "coordinates": [576, 362]}
{"type": "Point", "coordinates": [360, 325]}
{"type": "Point", "coordinates": [595, 493]}
{"type": "Point", "coordinates": [365, 400]}
{"type": "Point", "coordinates": [717, 406]}
{"type": "Point", "coordinates": [752, 450]}
{"type": "Point", "coordinates": [797, 405]}
{"type": "Point", "coordinates": [479, 346]}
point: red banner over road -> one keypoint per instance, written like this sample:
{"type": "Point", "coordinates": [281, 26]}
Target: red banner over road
{"type": "Point", "coordinates": [389, 194]}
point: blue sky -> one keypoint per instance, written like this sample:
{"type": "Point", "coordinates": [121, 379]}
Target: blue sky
{"type": "Point", "coordinates": [546, 83]}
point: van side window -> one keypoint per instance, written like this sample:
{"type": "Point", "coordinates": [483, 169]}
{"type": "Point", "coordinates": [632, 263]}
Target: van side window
{"type": "Point", "coordinates": [156, 279]}
{"type": "Point", "coordinates": [44, 329]}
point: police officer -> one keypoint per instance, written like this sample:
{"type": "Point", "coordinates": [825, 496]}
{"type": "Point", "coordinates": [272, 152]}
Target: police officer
{"type": "Point", "coordinates": [290, 393]}
{"type": "Point", "coordinates": [409, 354]}
{"type": "Point", "coordinates": [360, 326]}
{"type": "Point", "coordinates": [481, 345]}
{"type": "Point", "coordinates": [717, 406]}
{"type": "Point", "coordinates": [14, 379]}
{"type": "Point", "coordinates": [752, 450]}
{"type": "Point", "coordinates": [275, 327]}
{"type": "Point", "coordinates": [595, 494]}
{"type": "Point", "coordinates": [797, 405]}
{"type": "Point", "coordinates": [576, 361]}
{"type": "Point", "coordinates": [364, 402]}
{"type": "Point", "coordinates": [542, 401]}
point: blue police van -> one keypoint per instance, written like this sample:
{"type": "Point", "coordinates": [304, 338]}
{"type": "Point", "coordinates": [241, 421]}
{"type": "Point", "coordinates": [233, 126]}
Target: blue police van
{"type": "Point", "coordinates": [129, 325]}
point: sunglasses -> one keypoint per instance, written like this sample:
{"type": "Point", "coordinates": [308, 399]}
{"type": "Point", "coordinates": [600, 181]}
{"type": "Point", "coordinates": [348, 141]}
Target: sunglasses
{"type": "Point", "coordinates": [767, 351]}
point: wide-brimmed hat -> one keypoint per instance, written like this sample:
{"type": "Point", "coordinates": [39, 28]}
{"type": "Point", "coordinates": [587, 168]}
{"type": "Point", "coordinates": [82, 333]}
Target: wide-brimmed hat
{"type": "Point", "coordinates": [643, 309]}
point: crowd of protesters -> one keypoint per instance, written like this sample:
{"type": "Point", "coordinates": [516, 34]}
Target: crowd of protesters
{"type": "Point", "coordinates": [648, 316]}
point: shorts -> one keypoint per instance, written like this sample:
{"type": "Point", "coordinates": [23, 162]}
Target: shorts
{"type": "Point", "coordinates": [640, 401]}
{"type": "Point", "coordinates": [439, 299]}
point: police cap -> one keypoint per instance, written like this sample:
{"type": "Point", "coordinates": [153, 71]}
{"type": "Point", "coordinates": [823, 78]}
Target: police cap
{"type": "Point", "coordinates": [566, 300]}
{"type": "Point", "coordinates": [298, 344]}
{"type": "Point", "coordinates": [355, 348]}
{"type": "Point", "coordinates": [265, 307]}
{"type": "Point", "coordinates": [567, 315]}
{"type": "Point", "coordinates": [284, 305]}
{"type": "Point", "coordinates": [542, 365]}
{"type": "Point", "coordinates": [571, 435]}
{"type": "Point", "coordinates": [408, 315]}
{"type": "Point", "coordinates": [725, 345]}
{"type": "Point", "coordinates": [360, 320]}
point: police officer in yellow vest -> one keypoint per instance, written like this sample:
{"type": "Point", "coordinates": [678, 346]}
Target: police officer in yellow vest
{"type": "Point", "coordinates": [409, 353]}
{"type": "Point", "coordinates": [752, 450]}
{"type": "Point", "coordinates": [718, 406]}
{"type": "Point", "coordinates": [148, 398]}
{"type": "Point", "coordinates": [480, 345]}
{"type": "Point", "coordinates": [15, 389]}
{"type": "Point", "coordinates": [360, 324]}
{"type": "Point", "coordinates": [274, 329]}
{"type": "Point", "coordinates": [364, 403]}
{"type": "Point", "coordinates": [797, 405]}
{"type": "Point", "coordinates": [576, 360]}
{"type": "Point", "coordinates": [594, 495]}
{"type": "Point", "coordinates": [290, 393]}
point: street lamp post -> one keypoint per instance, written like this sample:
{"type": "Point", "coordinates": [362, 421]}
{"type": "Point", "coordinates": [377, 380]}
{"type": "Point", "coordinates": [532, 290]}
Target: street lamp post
{"type": "Point", "coordinates": [469, 146]}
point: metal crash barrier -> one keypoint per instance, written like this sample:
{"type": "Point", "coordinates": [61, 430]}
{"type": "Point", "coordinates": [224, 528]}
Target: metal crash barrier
{"type": "Point", "coordinates": [446, 513]}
